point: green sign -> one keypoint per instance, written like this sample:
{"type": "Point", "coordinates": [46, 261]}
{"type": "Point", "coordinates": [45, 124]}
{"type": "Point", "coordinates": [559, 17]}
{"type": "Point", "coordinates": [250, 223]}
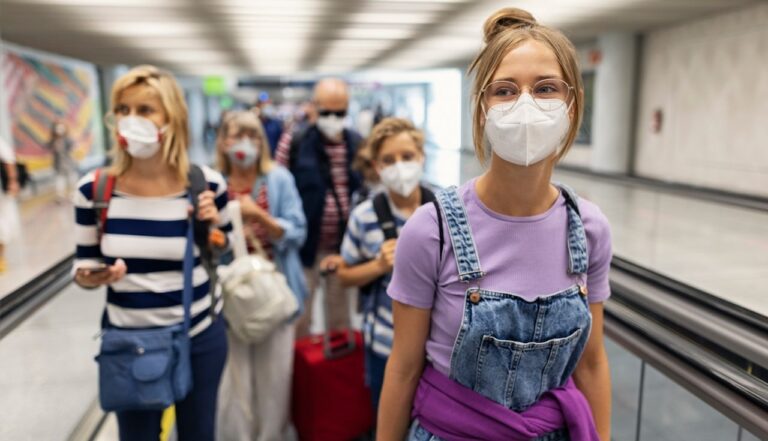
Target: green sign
{"type": "Point", "coordinates": [214, 86]}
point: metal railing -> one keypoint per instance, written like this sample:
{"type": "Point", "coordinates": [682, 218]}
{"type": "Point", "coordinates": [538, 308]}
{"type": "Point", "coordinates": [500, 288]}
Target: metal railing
{"type": "Point", "coordinates": [719, 354]}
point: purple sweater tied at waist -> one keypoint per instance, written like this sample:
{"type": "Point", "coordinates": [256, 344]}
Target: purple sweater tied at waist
{"type": "Point", "coordinates": [456, 413]}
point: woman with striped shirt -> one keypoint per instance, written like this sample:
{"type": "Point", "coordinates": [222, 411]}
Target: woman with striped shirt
{"type": "Point", "coordinates": [138, 254]}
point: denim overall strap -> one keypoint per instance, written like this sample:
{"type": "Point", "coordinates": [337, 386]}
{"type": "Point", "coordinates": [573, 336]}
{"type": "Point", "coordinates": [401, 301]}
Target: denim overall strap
{"type": "Point", "coordinates": [578, 259]}
{"type": "Point", "coordinates": [464, 248]}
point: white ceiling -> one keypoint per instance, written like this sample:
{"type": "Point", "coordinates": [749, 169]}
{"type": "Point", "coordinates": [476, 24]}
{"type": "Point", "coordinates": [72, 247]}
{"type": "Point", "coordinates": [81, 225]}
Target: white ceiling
{"type": "Point", "coordinates": [285, 37]}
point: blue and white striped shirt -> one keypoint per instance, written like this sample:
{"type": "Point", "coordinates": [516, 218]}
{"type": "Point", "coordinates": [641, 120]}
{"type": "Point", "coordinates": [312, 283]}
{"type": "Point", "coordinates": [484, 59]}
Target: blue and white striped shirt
{"type": "Point", "coordinates": [362, 242]}
{"type": "Point", "coordinates": [149, 234]}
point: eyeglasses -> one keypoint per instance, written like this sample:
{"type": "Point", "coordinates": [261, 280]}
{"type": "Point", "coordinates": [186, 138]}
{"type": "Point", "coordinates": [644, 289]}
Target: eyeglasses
{"type": "Point", "coordinates": [549, 94]}
{"type": "Point", "coordinates": [339, 113]}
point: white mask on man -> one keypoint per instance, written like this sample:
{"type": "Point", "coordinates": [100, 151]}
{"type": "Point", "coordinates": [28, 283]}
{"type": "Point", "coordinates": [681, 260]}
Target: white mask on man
{"type": "Point", "coordinates": [331, 126]}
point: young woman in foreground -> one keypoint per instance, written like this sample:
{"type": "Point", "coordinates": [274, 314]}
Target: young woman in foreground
{"type": "Point", "coordinates": [499, 327]}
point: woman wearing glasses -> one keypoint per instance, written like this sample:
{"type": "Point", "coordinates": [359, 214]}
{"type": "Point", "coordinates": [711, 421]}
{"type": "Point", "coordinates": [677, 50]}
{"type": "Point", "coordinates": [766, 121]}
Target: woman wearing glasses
{"type": "Point", "coordinates": [498, 296]}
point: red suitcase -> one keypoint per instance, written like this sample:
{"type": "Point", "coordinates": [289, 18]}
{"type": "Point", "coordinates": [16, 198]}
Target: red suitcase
{"type": "Point", "coordinates": [330, 399]}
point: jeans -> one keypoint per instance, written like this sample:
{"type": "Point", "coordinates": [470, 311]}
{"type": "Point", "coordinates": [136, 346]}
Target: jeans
{"type": "Point", "coordinates": [374, 376]}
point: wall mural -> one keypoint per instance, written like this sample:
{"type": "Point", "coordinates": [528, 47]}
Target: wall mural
{"type": "Point", "coordinates": [41, 89]}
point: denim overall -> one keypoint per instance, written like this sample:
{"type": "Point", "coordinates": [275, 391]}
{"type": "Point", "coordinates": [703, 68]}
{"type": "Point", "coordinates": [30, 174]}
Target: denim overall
{"type": "Point", "coordinates": [508, 349]}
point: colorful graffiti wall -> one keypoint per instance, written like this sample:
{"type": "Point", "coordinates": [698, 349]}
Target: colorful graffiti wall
{"type": "Point", "coordinates": [39, 89]}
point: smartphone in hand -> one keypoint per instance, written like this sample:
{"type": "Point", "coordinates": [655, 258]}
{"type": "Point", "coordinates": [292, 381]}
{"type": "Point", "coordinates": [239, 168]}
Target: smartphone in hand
{"type": "Point", "coordinates": [95, 268]}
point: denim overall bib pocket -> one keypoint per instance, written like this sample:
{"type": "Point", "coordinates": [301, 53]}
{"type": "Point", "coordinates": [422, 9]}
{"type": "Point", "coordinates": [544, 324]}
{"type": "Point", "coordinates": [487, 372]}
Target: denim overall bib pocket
{"type": "Point", "coordinates": [508, 349]}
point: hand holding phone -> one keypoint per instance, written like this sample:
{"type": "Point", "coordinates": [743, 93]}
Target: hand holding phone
{"type": "Point", "coordinates": [97, 268]}
{"type": "Point", "coordinates": [97, 274]}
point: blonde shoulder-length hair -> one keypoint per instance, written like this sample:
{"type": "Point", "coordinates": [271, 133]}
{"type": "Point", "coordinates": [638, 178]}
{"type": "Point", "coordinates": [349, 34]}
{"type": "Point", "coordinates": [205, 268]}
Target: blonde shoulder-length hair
{"type": "Point", "coordinates": [505, 30]}
{"type": "Point", "coordinates": [243, 122]}
{"type": "Point", "coordinates": [176, 134]}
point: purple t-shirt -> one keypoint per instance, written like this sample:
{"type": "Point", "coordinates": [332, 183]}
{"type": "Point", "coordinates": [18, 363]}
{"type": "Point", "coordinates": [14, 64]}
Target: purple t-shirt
{"type": "Point", "coordinates": [525, 256]}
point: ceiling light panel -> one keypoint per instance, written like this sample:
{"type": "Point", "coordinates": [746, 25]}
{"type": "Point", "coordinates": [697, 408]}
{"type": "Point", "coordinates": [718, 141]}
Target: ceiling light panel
{"type": "Point", "coordinates": [391, 18]}
{"type": "Point", "coordinates": [378, 6]}
{"type": "Point", "coordinates": [191, 55]}
{"type": "Point", "coordinates": [388, 32]}
{"type": "Point", "coordinates": [99, 3]}
{"type": "Point", "coordinates": [141, 29]}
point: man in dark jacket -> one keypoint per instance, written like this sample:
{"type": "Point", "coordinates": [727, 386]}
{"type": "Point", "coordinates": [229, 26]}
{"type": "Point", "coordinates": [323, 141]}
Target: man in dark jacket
{"type": "Point", "coordinates": [320, 159]}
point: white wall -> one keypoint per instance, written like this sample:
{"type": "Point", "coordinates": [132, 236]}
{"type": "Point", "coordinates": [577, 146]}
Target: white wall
{"type": "Point", "coordinates": [710, 79]}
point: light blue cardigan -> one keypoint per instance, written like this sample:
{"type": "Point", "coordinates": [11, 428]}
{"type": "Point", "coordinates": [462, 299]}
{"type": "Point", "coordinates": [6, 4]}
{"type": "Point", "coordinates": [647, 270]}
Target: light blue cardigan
{"type": "Point", "coordinates": [285, 207]}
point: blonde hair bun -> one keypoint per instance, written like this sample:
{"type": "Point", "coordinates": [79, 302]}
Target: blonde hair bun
{"type": "Point", "coordinates": [504, 19]}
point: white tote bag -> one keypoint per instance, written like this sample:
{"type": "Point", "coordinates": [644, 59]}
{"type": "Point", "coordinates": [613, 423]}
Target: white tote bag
{"type": "Point", "coordinates": [257, 297]}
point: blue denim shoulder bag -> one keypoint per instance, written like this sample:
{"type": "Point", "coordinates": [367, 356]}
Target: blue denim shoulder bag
{"type": "Point", "coordinates": [148, 369]}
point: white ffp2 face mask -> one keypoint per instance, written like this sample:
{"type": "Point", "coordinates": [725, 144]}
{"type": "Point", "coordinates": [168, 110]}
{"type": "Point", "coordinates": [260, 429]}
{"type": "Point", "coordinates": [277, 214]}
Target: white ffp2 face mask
{"type": "Point", "coordinates": [140, 137]}
{"type": "Point", "coordinates": [525, 134]}
{"type": "Point", "coordinates": [331, 126]}
{"type": "Point", "coordinates": [402, 177]}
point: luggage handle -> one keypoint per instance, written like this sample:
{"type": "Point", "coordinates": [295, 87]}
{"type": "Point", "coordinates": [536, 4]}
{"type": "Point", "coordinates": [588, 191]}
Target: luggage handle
{"type": "Point", "coordinates": [335, 346]}
{"type": "Point", "coordinates": [338, 346]}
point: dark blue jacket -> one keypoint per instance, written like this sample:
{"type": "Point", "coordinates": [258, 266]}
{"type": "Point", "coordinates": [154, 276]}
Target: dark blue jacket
{"type": "Point", "coordinates": [310, 167]}
{"type": "Point", "coordinates": [273, 128]}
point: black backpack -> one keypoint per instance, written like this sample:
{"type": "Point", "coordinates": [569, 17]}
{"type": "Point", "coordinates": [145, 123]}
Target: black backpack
{"type": "Point", "coordinates": [388, 226]}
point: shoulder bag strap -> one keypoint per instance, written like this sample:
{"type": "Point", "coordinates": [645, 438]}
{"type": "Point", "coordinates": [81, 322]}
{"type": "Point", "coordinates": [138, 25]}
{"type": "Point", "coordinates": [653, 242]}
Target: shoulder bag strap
{"type": "Point", "coordinates": [188, 267]}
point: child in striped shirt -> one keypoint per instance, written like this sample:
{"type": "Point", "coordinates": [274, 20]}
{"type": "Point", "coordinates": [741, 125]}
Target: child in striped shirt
{"type": "Point", "coordinates": [367, 258]}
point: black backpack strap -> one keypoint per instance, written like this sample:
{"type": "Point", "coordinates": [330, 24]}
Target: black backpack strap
{"type": "Point", "coordinates": [201, 231]}
{"type": "Point", "coordinates": [427, 196]}
{"type": "Point", "coordinates": [384, 216]}
{"type": "Point", "coordinates": [197, 185]}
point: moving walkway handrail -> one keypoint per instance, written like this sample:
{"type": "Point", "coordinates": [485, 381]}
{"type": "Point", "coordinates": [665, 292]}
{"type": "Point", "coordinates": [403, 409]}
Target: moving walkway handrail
{"type": "Point", "coordinates": [696, 295]}
{"type": "Point", "coordinates": [683, 336]}
{"type": "Point", "coordinates": [748, 340]}
{"type": "Point", "coordinates": [18, 305]}
{"type": "Point", "coordinates": [730, 403]}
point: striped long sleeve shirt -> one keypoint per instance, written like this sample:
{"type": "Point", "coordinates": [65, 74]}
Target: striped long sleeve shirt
{"type": "Point", "coordinates": [149, 234]}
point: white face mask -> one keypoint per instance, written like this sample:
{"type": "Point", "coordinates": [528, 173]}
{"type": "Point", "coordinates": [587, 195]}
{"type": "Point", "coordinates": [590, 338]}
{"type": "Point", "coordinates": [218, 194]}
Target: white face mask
{"type": "Point", "coordinates": [525, 134]}
{"type": "Point", "coordinates": [402, 177]}
{"type": "Point", "coordinates": [331, 126]}
{"type": "Point", "coordinates": [139, 136]}
{"type": "Point", "coordinates": [244, 153]}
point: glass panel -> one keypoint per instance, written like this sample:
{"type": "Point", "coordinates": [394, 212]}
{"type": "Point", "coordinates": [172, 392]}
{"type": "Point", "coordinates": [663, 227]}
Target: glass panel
{"type": "Point", "coordinates": [671, 413]}
{"type": "Point", "coordinates": [625, 383]}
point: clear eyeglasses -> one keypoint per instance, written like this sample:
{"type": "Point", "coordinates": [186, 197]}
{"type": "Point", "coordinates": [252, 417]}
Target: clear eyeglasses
{"type": "Point", "coordinates": [547, 94]}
